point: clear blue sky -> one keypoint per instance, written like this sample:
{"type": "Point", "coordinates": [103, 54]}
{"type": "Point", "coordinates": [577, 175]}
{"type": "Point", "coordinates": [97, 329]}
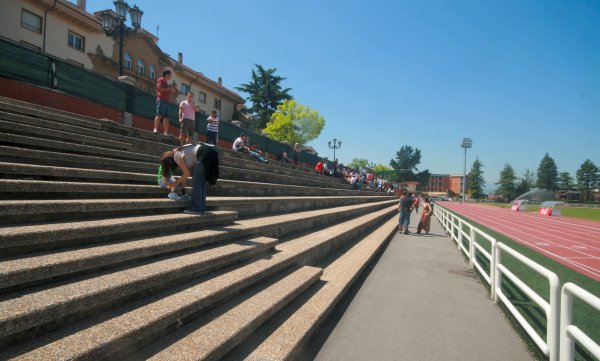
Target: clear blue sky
{"type": "Point", "coordinates": [520, 77]}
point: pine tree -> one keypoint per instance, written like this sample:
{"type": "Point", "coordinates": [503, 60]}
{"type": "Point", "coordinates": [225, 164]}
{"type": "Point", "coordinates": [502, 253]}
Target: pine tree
{"type": "Point", "coordinates": [565, 181]}
{"type": "Point", "coordinates": [588, 180]}
{"type": "Point", "coordinates": [526, 183]}
{"type": "Point", "coordinates": [507, 187]}
{"type": "Point", "coordinates": [475, 180]}
{"type": "Point", "coordinates": [547, 174]}
{"type": "Point", "coordinates": [265, 93]}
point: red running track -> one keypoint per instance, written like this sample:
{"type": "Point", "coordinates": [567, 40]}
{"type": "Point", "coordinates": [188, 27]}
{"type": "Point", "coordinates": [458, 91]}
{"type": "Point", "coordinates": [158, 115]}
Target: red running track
{"type": "Point", "coordinates": [573, 242]}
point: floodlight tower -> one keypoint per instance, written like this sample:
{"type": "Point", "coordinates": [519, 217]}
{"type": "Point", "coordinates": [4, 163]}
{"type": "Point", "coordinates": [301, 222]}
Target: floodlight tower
{"type": "Point", "coordinates": [466, 143]}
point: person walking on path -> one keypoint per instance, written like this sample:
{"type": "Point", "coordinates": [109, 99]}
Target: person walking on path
{"type": "Point", "coordinates": [417, 203]}
{"type": "Point", "coordinates": [163, 96]}
{"type": "Point", "coordinates": [405, 206]}
{"type": "Point", "coordinates": [187, 119]}
{"type": "Point", "coordinates": [426, 216]}
{"type": "Point", "coordinates": [212, 128]}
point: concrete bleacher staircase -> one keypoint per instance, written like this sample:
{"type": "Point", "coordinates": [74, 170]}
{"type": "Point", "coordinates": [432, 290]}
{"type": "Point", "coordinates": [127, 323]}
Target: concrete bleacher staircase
{"type": "Point", "coordinates": [96, 263]}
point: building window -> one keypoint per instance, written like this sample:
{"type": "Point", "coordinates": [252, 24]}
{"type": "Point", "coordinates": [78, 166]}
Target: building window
{"type": "Point", "coordinates": [76, 41]}
{"type": "Point", "coordinates": [31, 21]}
{"type": "Point", "coordinates": [202, 97]}
{"type": "Point", "coordinates": [217, 103]}
{"type": "Point", "coordinates": [185, 88]}
{"type": "Point", "coordinates": [127, 61]}
{"type": "Point", "coordinates": [141, 70]}
{"type": "Point", "coordinates": [152, 72]}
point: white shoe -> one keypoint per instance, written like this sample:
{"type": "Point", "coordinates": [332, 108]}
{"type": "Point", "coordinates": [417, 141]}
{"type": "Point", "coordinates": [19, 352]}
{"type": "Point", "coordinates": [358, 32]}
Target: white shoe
{"type": "Point", "coordinates": [185, 197]}
{"type": "Point", "coordinates": [174, 196]}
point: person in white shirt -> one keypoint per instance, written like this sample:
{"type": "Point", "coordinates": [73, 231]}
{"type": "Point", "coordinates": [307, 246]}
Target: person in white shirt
{"type": "Point", "coordinates": [239, 145]}
{"type": "Point", "coordinates": [187, 119]}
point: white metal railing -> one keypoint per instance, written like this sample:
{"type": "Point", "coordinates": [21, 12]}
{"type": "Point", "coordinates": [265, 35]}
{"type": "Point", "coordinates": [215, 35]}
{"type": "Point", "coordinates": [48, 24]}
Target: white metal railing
{"type": "Point", "coordinates": [561, 335]}
{"type": "Point", "coordinates": [570, 333]}
{"type": "Point", "coordinates": [552, 307]}
{"type": "Point", "coordinates": [490, 256]}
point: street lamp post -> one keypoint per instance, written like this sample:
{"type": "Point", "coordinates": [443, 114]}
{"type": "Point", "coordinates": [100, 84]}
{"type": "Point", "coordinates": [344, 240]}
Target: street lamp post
{"type": "Point", "coordinates": [335, 144]}
{"type": "Point", "coordinates": [466, 143]}
{"type": "Point", "coordinates": [115, 25]}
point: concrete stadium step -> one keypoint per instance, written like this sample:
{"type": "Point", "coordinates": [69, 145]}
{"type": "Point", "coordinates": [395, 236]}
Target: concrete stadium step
{"type": "Point", "coordinates": [36, 211]}
{"type": "Point", "coordinates": [16, 124]}
{"type": "Point", "coordinates": [25, 311]}
{"type": "Point", "coordinates": [288, 340]}
{"type": "Point", "coordinates": [111, 229]}
{"type": "Point", "coordinates": [124, 331]}
{"type": "Point", "coordinates": [68, 147]}
{"type": "Point", "coordinates": [86, 161]}
{"type": "Point", "coordinates": [23, 189]}
{"type": "Point", "coordinates": [137, 137]}
{"type": "Point", "coordinates": [213, 340]}
{"type": "Point", "coordinates": [36, 267]}
{"type": "Point", "coordinates": [225, 172]}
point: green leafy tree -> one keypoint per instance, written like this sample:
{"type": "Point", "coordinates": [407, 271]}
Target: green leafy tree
{"type": "Point", "coordinates": [406, 162]}
{"type": "Point", "coordinates": [294, 123]}
{"type": "Point", "coordinates": [423, 178]}
{"type": "Point", "coordinates": [381, 168]}
{"type": "Point", "coordinates": [265, 92]}
{"type": "Point", "coordinates": [565, 181]}
{"type": "Point", "coordinates": [588, 179]}
{"type": "Point", "coordinates": [527, 182]}
{"type": "Point", "coordinates": [547, 174]}
{"type": "Point", "coordinates": [507, 187]}
{"type": "Point", "coordinates": [475, 180]}
{"type": "Point", "coordinates": [358, 163]}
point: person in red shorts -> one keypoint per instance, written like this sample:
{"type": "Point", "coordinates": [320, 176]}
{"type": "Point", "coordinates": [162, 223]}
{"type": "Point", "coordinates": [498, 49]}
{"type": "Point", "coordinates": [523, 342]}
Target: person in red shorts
{"type": "Point", "coordinates": [163, 96]}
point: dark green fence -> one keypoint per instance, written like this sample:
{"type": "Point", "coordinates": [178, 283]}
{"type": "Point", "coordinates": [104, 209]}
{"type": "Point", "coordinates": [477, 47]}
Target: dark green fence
{"type": "Point", "coordinates": [21, 63]}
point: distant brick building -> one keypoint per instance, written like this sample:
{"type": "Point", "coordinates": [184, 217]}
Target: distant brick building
{"type": "Point", "coordinates": [441, 184]}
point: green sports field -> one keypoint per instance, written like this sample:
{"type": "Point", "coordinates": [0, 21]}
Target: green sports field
{"type": "Point", "coordinates": [585, 317]}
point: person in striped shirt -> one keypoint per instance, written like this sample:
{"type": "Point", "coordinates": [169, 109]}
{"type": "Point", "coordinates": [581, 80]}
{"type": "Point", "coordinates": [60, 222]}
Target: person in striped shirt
{"type": "Point", "coordinates": [212, 128]}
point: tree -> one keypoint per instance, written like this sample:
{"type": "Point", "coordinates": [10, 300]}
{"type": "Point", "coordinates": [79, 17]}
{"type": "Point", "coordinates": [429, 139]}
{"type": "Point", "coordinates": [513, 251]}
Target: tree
{"type": "Point", "coordinates": [358, 163]}
{"type": "Point", "coordinates": [547, 174]}
{"type": "Point", "coordinates": [527, 182]}
{"type": "Point", "coordinates": [588, 179]}
{"type": "Point", "coordinates": [294, 123]}
{"type": "Point", "coordinates": [507, 187]}
{"type": "Point", "coordinates": [475, 180]}
{"type": "Point", "coordinates": [265, 92]}
{"type": "Point", "coordinates": [407, 158]}
{"type": "Point", "coordinates": [423, 178]}
{"type": "Point", "coordinates": [565, 181]}
{"type": "Point", "coordinates": [381, 168]}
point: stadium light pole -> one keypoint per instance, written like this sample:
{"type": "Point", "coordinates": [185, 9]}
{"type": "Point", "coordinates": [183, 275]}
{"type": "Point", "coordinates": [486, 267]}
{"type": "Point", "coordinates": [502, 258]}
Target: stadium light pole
{"type": "Point", "coordinates": [337, 144]}
{"type": "Point", "coordinates": [466, 143]}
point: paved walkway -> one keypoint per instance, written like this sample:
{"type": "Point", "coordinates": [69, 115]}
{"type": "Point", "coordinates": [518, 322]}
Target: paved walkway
{"type": "Point", "coordinates": [421, 302]}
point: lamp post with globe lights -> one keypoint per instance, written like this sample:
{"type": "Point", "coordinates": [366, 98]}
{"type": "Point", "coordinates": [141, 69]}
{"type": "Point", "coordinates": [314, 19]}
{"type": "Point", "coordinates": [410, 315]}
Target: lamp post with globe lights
{"type": "Point", "coordinates": [334, 144]}
{"type": "Point", "coordinates": [115, 25]}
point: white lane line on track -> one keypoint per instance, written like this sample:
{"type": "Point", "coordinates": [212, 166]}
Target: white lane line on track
{"type": "Point", "coordinates": [580, 223]}
{"type": "Point", "coordinates": [575, 264]}
{"type": "Point", "coordinates": [541, 222]}
{"type": "Point", "coordinates": [535, 227]}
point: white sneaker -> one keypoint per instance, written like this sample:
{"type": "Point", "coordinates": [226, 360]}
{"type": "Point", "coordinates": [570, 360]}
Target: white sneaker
{"type": "Point", "coordinates": [174, 196]}
{"type": "Point", "coordinates": [185, 197]}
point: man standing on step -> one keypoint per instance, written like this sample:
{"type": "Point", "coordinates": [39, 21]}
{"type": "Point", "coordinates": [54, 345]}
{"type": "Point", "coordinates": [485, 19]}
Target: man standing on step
{"type": "Point", "coordinates": [163, 96]}
{"type": "Point", "coordinates": [212, 128]}
{"type": "Point", "coordinates": [405, 206]}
